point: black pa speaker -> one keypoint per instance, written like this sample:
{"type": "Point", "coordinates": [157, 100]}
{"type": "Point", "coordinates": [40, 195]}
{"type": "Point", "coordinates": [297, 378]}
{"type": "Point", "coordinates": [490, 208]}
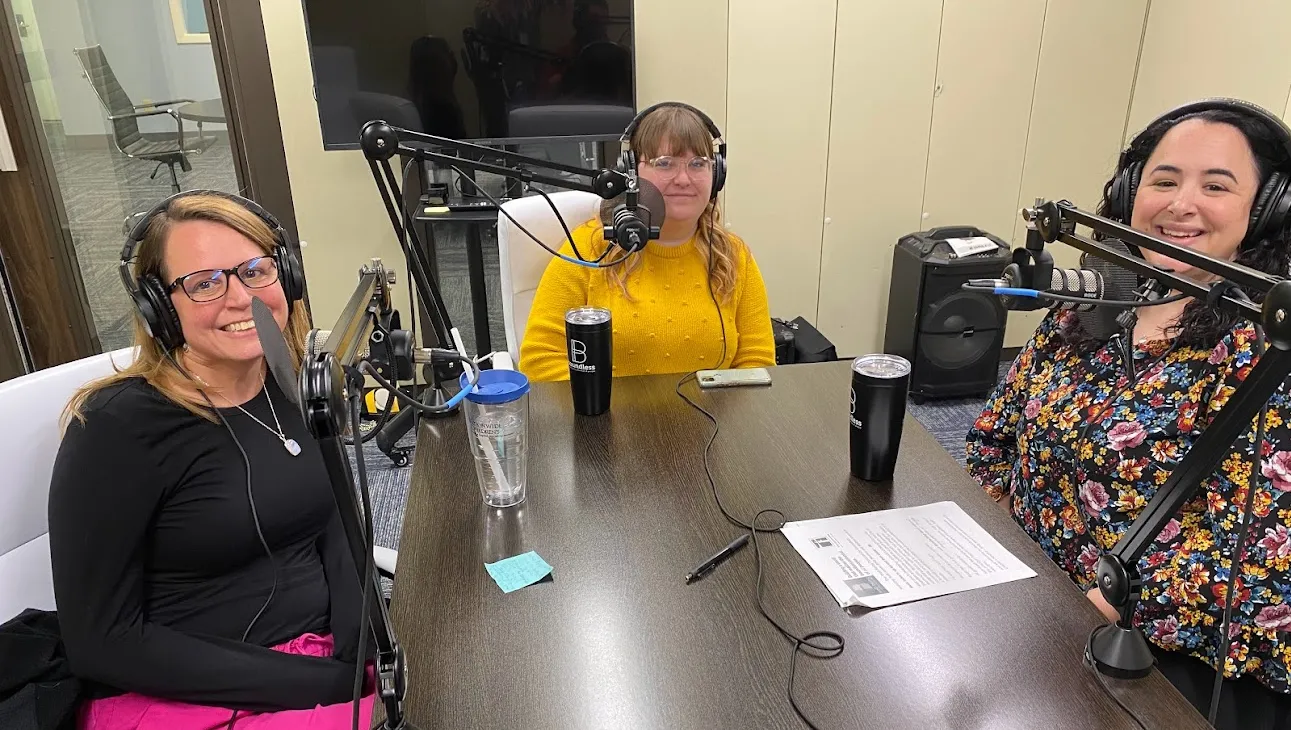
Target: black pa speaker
{"type": "Point", "coordinates": [951, 337]}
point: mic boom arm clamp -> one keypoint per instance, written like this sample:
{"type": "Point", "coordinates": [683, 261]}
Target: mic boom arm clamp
{"type": "Point", "coordinates": [1119, 649]}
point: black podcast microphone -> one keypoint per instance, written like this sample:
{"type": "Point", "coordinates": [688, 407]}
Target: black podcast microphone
{"type": "Point", "coordinates": [633, 217]}
{"type": "Point", "coordinates": [1119, 284]}
{"type": "Point", "coordinates": [1103, 288]}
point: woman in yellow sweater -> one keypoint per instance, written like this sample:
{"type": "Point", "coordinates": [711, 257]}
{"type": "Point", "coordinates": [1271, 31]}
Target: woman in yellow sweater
{"type": "Point", "coordinates": [691, 300]}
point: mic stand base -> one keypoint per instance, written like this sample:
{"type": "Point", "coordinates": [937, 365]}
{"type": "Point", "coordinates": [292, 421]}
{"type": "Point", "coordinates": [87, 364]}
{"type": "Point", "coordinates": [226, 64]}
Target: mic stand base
{"type": "Point", "coordinates": [1120, 652]}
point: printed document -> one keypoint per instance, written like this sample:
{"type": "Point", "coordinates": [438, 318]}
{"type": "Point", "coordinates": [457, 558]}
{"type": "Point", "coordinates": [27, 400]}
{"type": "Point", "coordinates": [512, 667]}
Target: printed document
{"type": "Point", "coordinates": [898, 555]}
{"type": "Point", "coordinates": [969, 246]}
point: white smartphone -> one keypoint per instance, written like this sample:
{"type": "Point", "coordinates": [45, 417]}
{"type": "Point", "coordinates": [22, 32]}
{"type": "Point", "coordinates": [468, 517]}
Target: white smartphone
{"type": "Point", "coordinates": [733, 378]}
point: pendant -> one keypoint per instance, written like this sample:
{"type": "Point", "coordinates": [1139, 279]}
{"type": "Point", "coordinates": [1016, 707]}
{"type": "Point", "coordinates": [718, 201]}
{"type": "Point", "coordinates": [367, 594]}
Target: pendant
{"type": "Point", "coordinates": [291, 446]}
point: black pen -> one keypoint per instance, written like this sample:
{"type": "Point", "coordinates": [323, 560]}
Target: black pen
{"type": "Point", "coordinates": [707, 566]}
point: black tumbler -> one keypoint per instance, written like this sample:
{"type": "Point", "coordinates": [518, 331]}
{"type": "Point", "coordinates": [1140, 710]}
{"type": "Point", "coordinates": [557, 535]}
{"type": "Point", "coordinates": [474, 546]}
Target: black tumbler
{"type": "Point", "coordinates": [879, 386]}
{"type": "Point", "coordinates": [590, 342]}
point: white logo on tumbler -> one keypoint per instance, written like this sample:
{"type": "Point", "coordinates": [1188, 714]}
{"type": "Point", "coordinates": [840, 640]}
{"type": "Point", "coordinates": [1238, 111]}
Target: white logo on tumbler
{"type": "Point", "coordinates": [856, 423]}
{"type": "Point", "coordinates": [578, 357]}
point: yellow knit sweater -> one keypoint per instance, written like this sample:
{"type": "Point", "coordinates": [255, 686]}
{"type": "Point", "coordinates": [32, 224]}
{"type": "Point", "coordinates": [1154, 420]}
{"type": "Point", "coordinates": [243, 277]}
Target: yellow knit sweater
{"type": "Point", "coordinates": [669, 325]}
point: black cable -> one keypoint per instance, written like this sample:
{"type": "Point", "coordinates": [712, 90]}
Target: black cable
{"type": "Point", "coordinates": [1129, 303]}
{"type": "Point", "coordinates": [411, 402]}
{"type": "Point", "coordinates": [548, 249]}
{"type": "Point", "coordinates": [255, 516]}
{"type": "Point", "coordinates": [368, 564]}
{"type": "Point", "coordinates": [564, 226]}
{"type": "Point", "coordinates": [1239, 550]}
{"type": "Point", "coordinates": [801, 644]}
{"type": "Point", "coordinates": [1102, 682]}
{"type": "Point", "coordinates": [1132, 304]}
{"type": "Point", "coordinates": [810, 643]}
{"type": "Point", "coordinates": [711, 418]}
{"type": "Point", "coordinates": [457, 184]}
{"type": "Point", "coordinates": [389, 406]}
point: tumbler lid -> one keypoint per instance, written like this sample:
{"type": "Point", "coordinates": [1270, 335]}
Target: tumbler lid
{"type": "Point", "coordinates": [587, 315]}
{"type": "Point", "coordinates": [496, 386]}
{"type": "Point", "coordinates": [881, 366]}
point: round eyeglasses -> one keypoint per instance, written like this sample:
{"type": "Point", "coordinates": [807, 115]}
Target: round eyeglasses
{"type": "Point", "coordinates": [667, 166]}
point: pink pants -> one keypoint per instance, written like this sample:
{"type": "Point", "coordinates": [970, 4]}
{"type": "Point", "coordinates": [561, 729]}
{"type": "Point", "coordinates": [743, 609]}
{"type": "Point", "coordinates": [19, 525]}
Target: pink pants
{"type": "Point", "coordinates": [139, 712]}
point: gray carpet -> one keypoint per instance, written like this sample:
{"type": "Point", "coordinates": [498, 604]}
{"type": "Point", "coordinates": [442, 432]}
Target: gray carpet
{"type": "Point", "coordinates": [949, 420]}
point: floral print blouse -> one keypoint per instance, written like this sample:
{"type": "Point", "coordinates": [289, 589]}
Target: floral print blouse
{"type": "Point", "coordinates": [1080, 448]}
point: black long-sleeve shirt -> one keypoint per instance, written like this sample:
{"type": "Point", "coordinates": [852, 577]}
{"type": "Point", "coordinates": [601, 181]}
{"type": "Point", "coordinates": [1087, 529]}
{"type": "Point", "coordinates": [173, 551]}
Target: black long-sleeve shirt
{"type": "Point", "coordinates": [158, 569]}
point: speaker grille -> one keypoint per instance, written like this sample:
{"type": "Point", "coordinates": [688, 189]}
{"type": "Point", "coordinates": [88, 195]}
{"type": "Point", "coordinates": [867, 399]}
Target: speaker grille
{"type": "Point", "coordinates": [957, 352]}
{"type": "Point", "coordinates": [961, 311]}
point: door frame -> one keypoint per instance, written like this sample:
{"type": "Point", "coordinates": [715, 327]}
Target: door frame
{"type": "Point", "coordinates": [39, 258]}
{"type": "Point", "coordinates": [246, 84]}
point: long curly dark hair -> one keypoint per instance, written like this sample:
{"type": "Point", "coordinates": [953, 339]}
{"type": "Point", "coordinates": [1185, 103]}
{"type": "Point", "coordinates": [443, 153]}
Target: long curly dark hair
{"type": "Point", "coordinates": [1200, 325]}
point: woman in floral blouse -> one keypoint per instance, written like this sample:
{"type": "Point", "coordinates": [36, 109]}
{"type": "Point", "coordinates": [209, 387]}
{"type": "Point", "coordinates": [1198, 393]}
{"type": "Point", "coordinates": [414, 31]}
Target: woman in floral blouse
{"type": "Point", "coordinates": [1076, 440]}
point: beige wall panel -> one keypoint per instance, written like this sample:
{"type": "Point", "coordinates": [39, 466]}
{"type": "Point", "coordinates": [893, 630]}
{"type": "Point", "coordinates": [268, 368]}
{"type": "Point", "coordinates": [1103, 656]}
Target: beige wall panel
{"type": "Point", "coordinates": [878, 152]}
{"type": "Point", "coordinates": [780, 81]}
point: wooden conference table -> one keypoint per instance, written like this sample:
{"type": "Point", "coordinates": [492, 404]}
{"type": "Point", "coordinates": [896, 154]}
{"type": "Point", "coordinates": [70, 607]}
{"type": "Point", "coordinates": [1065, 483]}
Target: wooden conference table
{"type": "Point", "coordinates": [619, 506]}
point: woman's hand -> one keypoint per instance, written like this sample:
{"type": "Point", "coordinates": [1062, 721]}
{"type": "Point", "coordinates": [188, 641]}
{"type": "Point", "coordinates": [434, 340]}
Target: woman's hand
{"type": "Point", "coordinates": [1095, 597]}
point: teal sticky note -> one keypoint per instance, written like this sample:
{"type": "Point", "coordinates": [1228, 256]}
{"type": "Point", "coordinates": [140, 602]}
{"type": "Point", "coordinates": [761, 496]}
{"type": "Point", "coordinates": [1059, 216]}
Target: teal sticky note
{"type": "Point", "coordinates": [514, 573]}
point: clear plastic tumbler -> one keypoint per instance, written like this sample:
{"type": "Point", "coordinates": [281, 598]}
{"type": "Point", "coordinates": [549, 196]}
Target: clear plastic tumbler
{"type": "Point", "coordinates": [497, 425]}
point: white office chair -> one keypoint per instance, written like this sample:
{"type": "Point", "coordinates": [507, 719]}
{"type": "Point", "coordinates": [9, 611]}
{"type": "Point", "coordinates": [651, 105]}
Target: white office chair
{"type": "Point", "coordinates": [30, 434]}
{"type": "Point", "coordinates": [523, 261]}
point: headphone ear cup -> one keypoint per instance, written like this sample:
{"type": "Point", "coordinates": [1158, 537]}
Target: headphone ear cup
{"type": "Point", "coordinates": [1133, 174]}
{"type": "Point", "coordinates": [290, 275]}
{"type": "Point", "coordinates": [1120, 198]}
{"type": "Point", "coordinates": [627, 162]}
{"type": "Point", "coordinates": [719, 175]}
{"type": "Point", "coordinates": [1269, 211]}
{"type": "Point", "coordinates": [158, 313]}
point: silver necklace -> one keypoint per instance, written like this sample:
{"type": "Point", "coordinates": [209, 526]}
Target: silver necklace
{"type": "Point", "coordinates": [289, 444]}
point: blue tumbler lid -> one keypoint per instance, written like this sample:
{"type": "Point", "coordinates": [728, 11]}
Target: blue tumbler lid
{"type": "Point", "coordinates": [496, 386]}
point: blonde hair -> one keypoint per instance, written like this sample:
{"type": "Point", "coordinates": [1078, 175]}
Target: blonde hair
{"type": "Point", "coordinates": [687, 133]}
{"type": "Point", "coordinates": [153, 363]}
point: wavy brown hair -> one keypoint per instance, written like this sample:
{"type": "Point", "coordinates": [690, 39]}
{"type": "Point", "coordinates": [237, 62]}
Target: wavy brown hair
{"type": "Point", "coordinates": [152, 362]}
{"type": "Point", "coordinates": [685, 133]}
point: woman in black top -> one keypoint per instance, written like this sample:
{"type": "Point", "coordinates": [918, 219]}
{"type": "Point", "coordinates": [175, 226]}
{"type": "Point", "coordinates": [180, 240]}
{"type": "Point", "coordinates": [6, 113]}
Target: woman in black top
{"type": "Point", "coordinates": [167, 598]}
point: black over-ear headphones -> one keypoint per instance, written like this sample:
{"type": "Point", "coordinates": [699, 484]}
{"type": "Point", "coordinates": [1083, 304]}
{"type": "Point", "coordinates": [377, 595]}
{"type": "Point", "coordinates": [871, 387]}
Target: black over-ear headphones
{"type": "Point", "coordinates": [149, 293]}
{"type": "Point", "coordinates": [628, 157]}
{"type": "Point", "coordinates": [1269, 212]}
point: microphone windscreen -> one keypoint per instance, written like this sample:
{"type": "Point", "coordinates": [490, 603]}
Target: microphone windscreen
{"type": "Point", "coordinates": [1119, 283]}
{"type": "Point", "coordinates": [648, 197]}
{"type": "Point", "coordinates": [274, 346]}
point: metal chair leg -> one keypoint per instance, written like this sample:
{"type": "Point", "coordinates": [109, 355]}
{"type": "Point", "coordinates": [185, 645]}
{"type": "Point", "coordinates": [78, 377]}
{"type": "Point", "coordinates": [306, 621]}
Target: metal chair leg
{"type": "Point", "coordinates": [174, 181]}
{"type": "Point", "coordinates": [156, 170]}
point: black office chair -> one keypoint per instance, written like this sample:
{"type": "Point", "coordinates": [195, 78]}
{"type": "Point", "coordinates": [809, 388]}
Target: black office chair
{"type": "Point", "coordinates": [124, 115]}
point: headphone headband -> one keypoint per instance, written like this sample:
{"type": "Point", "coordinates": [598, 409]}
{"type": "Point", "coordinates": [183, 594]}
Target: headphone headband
{"type": "Point", "coordinates": [140, 229]}
{"type": "Point", "coordinates": [628, 158]}
{"type": "Point", "coordinates": [1238, 106]}
{"type": "Point", "coordinates": [631, 129]}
